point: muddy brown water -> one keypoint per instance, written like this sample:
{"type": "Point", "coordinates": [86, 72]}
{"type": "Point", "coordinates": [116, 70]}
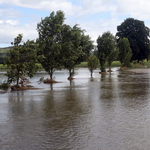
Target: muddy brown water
{"type": "Point", "coordinates": [110, 112]}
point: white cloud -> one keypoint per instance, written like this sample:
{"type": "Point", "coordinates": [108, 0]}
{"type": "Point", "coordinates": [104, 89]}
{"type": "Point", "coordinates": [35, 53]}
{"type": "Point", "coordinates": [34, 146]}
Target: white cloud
{"type": "Point", "coordinates": [86, 13]}
{"type": "Point", "coordinates": [12, 22]}
{"type": "Point", "coordinates": [134, 8]}
{"type": "Point", "coordinates": [94, 29]}
{"type": "Point", "coordinates": [46, 5]}
{"type": "Point", "coordinates": [8, 32]}
{"type": "Point", "coordinates": [9, 12]}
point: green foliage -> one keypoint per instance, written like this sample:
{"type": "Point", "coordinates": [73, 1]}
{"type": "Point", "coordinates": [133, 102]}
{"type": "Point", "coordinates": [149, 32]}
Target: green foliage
{"type": "Point", "coordinates": [49, 30]}
{"type": "Point", "coordinates": [87, 46]}
{"type": "Point", "coordinates": [4, 85]}
{"type": "Point", "coordinates": [125, 52]}
{"type": "Point", "coordinates": [113, 55]}
{"type": "Point", "coordinates": [4, 54]}
{"type": "Point", "coordinates": [60, 45]}
{"type": "Point", "coordinates": [2, 66]}
{"type": "Point", "coordinates": [71, 50]}
{"type": "Point", "coordinates": [21, 60]}
{"type": "Point", "coordinates": [92, 64]}
{"type": "Point", "coordinates": [138, 36]}
{"type": "Point", "coordinates": [106, 44]}
{"type": "Point", "coordinates": [95, 51]}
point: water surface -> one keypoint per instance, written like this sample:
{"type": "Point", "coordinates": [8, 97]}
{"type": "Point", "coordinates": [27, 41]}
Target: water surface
{"type": "Point", "coordinates": [108, 112]}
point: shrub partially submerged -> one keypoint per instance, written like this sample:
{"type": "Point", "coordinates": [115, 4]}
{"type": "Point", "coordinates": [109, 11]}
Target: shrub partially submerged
{"type": "Point", "coordinates": [49, 81]}
{"type": "Point", "coordinates": [4, 86]}
{"type": "Point", "coordinates": [42, 80]}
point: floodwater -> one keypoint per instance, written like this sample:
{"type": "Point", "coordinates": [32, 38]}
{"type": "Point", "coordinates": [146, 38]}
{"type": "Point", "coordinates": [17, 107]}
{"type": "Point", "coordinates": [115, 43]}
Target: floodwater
{"type": "Point", "coordinates": [110, 112]}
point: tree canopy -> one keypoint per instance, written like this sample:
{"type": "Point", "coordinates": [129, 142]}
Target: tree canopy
{"type": "Point", "coordinates": [113, 55]}
{"type": "Point", "coordinates": [138, 36]}
{"type": "Point", "coordinates": [49, 30]}
{"type": "Point", "coordinates": [92, 64]}
{"type": "Point", "coordinates": [61, 45]}
{"type": "Point", "coordinates": [105, 44]}
{"type": "Point", "coordinates": [21, 60]}
{"type": "Point", "coordinates": [71, 50]}
{"type": "Point", "coordinates": [125, 52]}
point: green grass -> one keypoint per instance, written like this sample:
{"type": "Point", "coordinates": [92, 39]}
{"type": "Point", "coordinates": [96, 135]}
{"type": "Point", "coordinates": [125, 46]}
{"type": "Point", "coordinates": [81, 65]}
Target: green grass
{"type": "Point", "coordinates": [141, 64]}
{"type": "Point", "coordinates": [82, 64]}
{"type": "Point", "coordinates": [114, 64]}
{"type": "Point", "coordinates": [147, 63]}
{"type": "Point", "coordinates": [3, 66]}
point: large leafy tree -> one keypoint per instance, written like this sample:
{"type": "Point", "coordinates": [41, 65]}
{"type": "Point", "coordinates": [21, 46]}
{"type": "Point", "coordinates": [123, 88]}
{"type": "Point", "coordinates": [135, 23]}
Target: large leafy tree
{"type": "Point", "coordinates": [105, 44]}
{"type": "Point", "coordinates": [125, 52]}
{"type": "Point", "coordinates": [49, 30]}
{"type": "Point", "coordinates": [21, 60]}
{"type": "Point", "coordinates": [71, 50]}
{"type": "Point", "coordinates": [138, 36]}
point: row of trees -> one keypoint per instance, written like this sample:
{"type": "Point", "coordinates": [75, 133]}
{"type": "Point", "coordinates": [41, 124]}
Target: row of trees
{"type": "Point", "coordinates": [109, 50]}
{"type": "Point", "coordinates": [62, 46]}
{"type": "Point", "coordinates": [58, 46]}
{"type": "Point", "coordinates": [130, 43]}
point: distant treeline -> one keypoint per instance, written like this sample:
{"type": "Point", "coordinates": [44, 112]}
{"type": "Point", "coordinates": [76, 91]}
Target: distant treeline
{"type": "Point", "coordinates": [4, 53]}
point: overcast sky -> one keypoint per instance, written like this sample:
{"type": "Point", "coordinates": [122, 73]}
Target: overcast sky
{"type": "Point", "coordinates": [95, 16]}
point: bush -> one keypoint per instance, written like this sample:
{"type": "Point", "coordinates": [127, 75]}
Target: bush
{"type": "Point", "coordinates": [4, 85]}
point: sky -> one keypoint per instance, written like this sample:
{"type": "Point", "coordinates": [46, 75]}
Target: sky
{"type": "Point", "coordinates": [95, 16]}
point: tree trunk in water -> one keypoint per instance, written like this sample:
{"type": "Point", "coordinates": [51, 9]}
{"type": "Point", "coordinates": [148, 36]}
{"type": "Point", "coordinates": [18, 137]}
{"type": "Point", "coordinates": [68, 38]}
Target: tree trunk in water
{"type": "Point", "coordinates": [121, 66]}
{"type": "Point", "coordinates": [69, 72]}
{"type": "Point", "coordinates": [70, 75]}
{"type": "Point", "coordinates": [91, 74]}
{"type": "Point", "coordinates": [51, 74]}
{"type": "Point", "coordinates": [109, 68]}
{"type": "Point", "coordinates": [18, 79]}
{"type": "Point", "coordinates": [103, 68]}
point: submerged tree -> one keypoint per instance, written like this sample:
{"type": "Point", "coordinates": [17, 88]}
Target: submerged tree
{"type": "Point", "coordinates": [138, 36]}
{"type": "Point", "coordinates": [71, 49]}
{"type": "Point", "coordinates": [21, 60]}
{"type": "Point", "coordinates": [113, 55]}
{"type": "Point", "coordinates": [92, 64]}
{"type": "Point", "coordinates": [50, 35]}
{"type": "Point", "coordinates": [125, 52]}
{"type": "Point", "coordinates": [105, 44]}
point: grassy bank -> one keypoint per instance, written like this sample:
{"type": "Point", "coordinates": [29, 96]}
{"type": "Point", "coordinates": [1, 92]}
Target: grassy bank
{"type": "Point", "coordinates": [114, 64]}
{"type": "Point", "coordinates": [3, 66]}
{"type": "Point", "coordinates": [82, 64]}
{"type": "Point", "coordinates": [143, 64]}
